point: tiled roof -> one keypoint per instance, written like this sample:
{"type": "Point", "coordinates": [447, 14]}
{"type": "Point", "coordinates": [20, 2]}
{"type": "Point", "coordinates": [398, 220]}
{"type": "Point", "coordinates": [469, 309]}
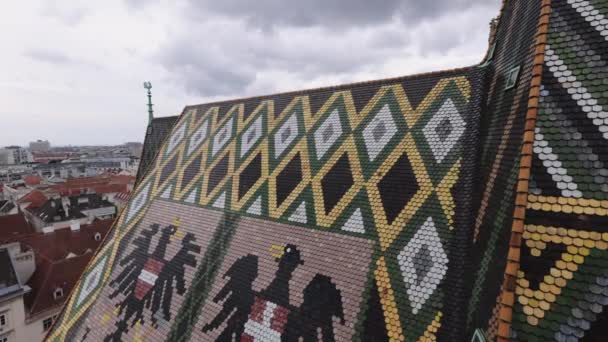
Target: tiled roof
{"type": "Point", "coordinates": [35, 199]}
{"type": "Point", "coordinates": [156, 133]}
{"type": "Point", "coordinates": [58, 244]}
{"type": "Point", "coordinates": [122, 179]}
{"type": "Point", "coordinates": [122, 196]}
{"type": "Point", "coordinates": [61, 257]}
{"type": "Point", "coordinates": [50, 276]}
{"type": "Point", "coordinates": [436, 207]}
{"type": "Point", "coordinates": [12, 226]}
{"type": "Point", "coordinates": [76, 204]}
{"type": "Point", "coordinates": [32, 180]}
{"type": "Point", "coordinates": [99, 184]}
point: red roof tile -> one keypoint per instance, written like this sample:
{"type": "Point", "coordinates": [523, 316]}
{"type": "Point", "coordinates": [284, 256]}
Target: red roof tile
{"type": "Point", "coordinates": [122, 179]}
{"type": "Point", "coordinates": [51, 275]}
{"type": "Point", "coordinates": [99, 184]}
{"type": "Point", "coordinates": [12, 226]}
{"type": "Point", "coordinates": [32, 180]}
{"type": "Point", "coordinates": [35, 198]}
{"type": "Point", "coordinates": [53, 269]}
{"type": "Point", "coordinates": [60, 243]}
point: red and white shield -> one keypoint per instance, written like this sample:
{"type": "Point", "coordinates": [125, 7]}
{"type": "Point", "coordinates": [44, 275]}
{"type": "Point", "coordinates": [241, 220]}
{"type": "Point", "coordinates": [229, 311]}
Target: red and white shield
{"type": "Point", "coordinates": [266, 322]}
{"type": "Point", "coordinates": [147, 278]}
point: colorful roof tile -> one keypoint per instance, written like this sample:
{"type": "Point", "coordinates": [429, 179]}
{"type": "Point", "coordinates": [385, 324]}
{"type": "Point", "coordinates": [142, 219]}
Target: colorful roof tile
{"type": "Point", "coordinates": [156, 134]}
{"type": "Point", "coordinates": [443, 206]}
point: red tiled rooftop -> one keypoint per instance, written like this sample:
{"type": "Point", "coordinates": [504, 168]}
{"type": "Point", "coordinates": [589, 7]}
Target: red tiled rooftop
{"type": "Point", "coordinates": [53, 268]}
{"type": "Point", "coordinates": [122, 179]}
{"type": "Point", "coordinates": [99, 184]}
{"type": "Point", "coordinates": [12, 226]}
{"type": "Point", "coordinates": [35, 198]}
{"type": "Point", "coordinates": [48, 276]}
{"type": "Point", "coordinates": [32, 180]}
{"type": "Point", "coordinates": [60, 243]}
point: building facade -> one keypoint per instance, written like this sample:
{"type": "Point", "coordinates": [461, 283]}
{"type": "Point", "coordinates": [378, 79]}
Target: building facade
{"type": "Point", "coordinates": [40, 146]}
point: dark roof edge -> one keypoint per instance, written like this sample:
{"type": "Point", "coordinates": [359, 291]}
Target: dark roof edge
{"type": "Point", "coordinates": [336, 87]}
{"type": "Point", "coordinates": [507, 296]}
{"type": "Point", "coordinates": [165, 118]}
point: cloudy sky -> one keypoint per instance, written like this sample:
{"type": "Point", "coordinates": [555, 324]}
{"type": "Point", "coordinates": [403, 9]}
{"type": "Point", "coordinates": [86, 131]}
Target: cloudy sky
{"type": "Point", "coordinates": [72, 71]}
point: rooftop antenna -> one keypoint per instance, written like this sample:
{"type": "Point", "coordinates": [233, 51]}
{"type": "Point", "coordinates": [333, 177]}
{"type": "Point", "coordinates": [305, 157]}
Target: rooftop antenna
{"type": "Point", "coordinates": [148, 86]}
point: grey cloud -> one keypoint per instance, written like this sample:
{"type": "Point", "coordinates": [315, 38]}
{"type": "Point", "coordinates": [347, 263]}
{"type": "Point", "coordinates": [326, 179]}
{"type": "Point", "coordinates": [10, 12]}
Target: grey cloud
{"type": "Point", "coordinates": [203, 71]}
{"type": "Point", "coordinates": [339, 14]}
{"type": "Point", "coordinates": [220, 55]}
{"type": "Point", "coordinates": [228, 61]}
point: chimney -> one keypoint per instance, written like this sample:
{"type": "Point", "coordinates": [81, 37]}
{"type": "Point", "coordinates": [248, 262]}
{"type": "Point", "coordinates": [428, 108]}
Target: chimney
{"type": "Point", "coordinates": [75, 225]}
{"type": "Point", "coordinates": [65, 202]}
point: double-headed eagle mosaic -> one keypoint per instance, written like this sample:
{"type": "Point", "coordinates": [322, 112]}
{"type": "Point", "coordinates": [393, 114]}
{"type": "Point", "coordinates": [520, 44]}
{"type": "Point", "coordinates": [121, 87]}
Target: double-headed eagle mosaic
{"type": "Point", "coordinates": [149, 280]}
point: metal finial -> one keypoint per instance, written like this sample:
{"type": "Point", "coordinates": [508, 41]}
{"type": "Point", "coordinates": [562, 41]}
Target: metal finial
{"type": "Point", "coordinates": [148, 86]}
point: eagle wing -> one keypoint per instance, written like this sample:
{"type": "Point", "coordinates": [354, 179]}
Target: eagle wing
{"type": "Point", "coordinates": [237, 297]}
{"type": "Point", "coordinates": [173, 273]}
{"type": "Point", "coordinates": [322, 301]}
{"type": "Point", "coordinates": [134, 262]}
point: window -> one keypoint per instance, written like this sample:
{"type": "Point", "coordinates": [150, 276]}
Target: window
{"type": "Point", "coordinates": [47, 323]}
{"type": "Point", "coordinates": [97, 236]}
{"type": "Point", "coordinates": [58, 293]}
{"type": "Point", "coordinates": [3, 320]}
{"type": "Point", "coordinates": [4, 338]}
{"type": "Point", "coordinates": [511, 79]}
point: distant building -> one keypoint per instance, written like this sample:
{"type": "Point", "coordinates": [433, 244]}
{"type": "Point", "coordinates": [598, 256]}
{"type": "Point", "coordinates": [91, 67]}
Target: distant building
{"type": "Point", "coordinates": [16, 268]}
{"type": "Point", "coordinates": [40, 145]}
{"type": "Point", "coordinates": [48, 157]}
{"type": "Point", "coordinates": [20, 155]}
{"type": "Point", "coordinates": [135, 148]}
{"type": "Point", "coordinates": [6, 157]}
{"type": "Point", "coordinates": [86, 167]}
{"type": "Point", "coordinates": [64, 212]}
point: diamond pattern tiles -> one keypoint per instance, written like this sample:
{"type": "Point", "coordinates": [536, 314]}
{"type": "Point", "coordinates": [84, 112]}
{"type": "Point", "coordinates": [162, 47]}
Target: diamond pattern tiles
{"type": "Point", "coordinates": [289, 178]}
{"type": "Point", "coordinates": [444, 130]}
{"type": "Point", "coordinates": [222, 136]}
{"type": "Point", "coordinates": [139, 201]}
{"type": "Point", "coordinates": [91, 280]}
{"type": "Point", "coordinates": [336, 183]}
{"type": "Point", "coordinates": [562, 281]}
{"type": "Point", "coordinates": [379, 132]}
{"type": "Point", "coordinates": [199, 135]}
{"type": "Point", "coordinates": [327, 133]}
{"type": "Point", "coordinates": [397, 187]}
{"type": "Point", "coordinates": [251, 136]}
{"type": "Point", "coordinates": [286, 134]}
{"type": "Point", "coordinates": [423, 263]}
{"type": "Point", "coordinates": [176, 138]}
{"type": "Point", "coordinates": [361, 171]}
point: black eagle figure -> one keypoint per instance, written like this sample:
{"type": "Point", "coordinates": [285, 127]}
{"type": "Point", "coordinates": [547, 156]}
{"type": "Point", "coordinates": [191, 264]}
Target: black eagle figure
{"type": "Point", "coordinates": [268, 315]}
{"type": "Point", "coordinates": [150, 279]}
{"type": "Point", "coordinates": [127, 278]}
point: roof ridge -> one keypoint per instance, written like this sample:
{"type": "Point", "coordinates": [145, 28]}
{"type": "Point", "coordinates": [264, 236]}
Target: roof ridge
{"type": "Point", "coordinates": [335, 86]}
{"type": "Point", "coordinates": [507, 295]}
{"type": "Point", "coordinates": [38, 293]}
